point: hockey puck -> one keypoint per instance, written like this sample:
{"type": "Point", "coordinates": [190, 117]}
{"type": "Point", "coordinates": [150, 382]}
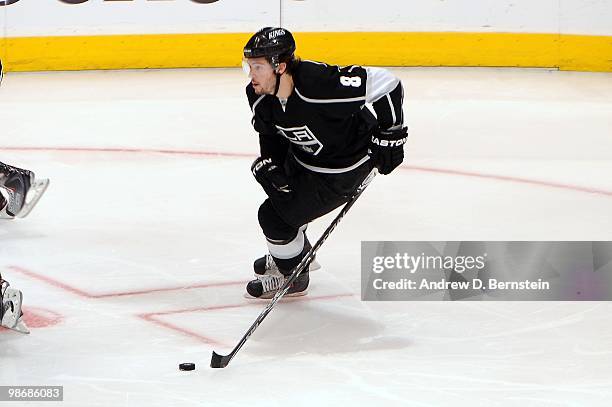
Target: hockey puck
{"type": "Point", "coordinates": [187, 366]}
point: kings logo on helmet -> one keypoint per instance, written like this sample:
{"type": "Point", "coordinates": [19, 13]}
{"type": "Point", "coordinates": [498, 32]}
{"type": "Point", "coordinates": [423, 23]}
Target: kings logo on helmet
{"type": "Point", "coordinates": [276, 33]}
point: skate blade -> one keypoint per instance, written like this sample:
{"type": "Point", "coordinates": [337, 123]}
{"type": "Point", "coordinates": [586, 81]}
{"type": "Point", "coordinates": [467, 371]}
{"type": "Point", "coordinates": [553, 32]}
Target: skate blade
{"type": "Point", "coordinates": [36, 192]}
{"type": "Point", "coordinates": [271, 295]}
{"type": "Point", "coordinates": [20, 327]}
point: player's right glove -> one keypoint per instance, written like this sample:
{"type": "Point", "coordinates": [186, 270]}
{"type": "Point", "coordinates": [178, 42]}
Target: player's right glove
{"type": "Point", "coordinates": [387, 148]}
{"type": "Point", "coordinates": [272, 178]}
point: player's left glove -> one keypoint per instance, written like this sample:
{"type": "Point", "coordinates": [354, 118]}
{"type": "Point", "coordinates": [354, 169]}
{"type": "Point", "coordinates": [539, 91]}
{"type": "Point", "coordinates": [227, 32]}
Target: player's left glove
{"type": "Point", "coordinates": [387, 148]}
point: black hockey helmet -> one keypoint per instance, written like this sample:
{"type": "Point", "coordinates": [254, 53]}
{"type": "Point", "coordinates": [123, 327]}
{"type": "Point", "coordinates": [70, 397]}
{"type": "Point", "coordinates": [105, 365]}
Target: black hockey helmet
{"type": "Point", "coordinates": [274, 43]}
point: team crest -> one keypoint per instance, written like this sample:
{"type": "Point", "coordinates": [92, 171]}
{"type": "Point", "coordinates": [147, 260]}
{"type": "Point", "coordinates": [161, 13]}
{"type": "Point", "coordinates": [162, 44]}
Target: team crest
{"type": "Point", "coordinates": [303, 137]}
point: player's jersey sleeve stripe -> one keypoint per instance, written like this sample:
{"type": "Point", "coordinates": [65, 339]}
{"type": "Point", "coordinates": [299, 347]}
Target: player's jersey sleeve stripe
{"type": "Point", "coordinates": [253, 108]}
{"type": "Point", "coordinates": [401, 111]}
{"type": "Point", "coordinates": [386, 93]}
{"type": "Point", "coordinates": [344, 100]}
{"type": "Point", "coordinates": [256, 103]}
{"type": "Point", "coordinates": [380, 82]}
{"type": "Point", "coordinates": [393, 117]}
{"type": "Point", "coordinates": [314, 62]}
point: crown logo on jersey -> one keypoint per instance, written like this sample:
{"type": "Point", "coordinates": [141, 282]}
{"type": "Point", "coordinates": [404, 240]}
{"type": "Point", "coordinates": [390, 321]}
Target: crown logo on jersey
{"type": "Point", "coordinates": [303, 137]}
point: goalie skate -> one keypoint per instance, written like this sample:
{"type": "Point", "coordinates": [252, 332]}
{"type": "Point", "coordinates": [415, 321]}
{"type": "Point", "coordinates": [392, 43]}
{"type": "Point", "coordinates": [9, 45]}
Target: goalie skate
{"type": "Point", "coordinates": [12, 316]}
{"type": "Point", "coordinates": [13, 199]}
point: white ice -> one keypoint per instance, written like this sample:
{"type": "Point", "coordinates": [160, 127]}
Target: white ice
{"type": "Point", "coordinates": [136, 258]}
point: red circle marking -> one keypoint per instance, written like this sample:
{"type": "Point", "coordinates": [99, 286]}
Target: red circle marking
{"type": "Point", "coordinates": [41, 318]}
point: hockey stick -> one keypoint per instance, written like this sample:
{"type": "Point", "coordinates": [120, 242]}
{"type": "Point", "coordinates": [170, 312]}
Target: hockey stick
{"type": "Point", "coordinates": [220, 361]}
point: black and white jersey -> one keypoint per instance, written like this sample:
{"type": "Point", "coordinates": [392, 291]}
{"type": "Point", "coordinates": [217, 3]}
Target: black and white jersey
{"type": "Point", "coordinates": [325, 123]}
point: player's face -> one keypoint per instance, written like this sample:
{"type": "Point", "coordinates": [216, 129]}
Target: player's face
{"type": "Point", "coordinates": [261, 73]}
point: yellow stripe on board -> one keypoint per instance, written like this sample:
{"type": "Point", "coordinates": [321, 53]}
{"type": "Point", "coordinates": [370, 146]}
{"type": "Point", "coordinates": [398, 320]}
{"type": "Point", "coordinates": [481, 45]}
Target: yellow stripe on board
{"type": "Point", "coordinates": [566, 52]}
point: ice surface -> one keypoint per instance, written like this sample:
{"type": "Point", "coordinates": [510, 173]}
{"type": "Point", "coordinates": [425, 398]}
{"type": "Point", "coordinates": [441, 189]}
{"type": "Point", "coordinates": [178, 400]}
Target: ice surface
{"type": "Point", "coordinates": [136, 258]}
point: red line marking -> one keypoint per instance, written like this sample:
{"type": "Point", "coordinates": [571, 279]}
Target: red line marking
{"type": "Point", "coordinates": [151, 316]}
{"type": "Point", "coordinates": [254, 302]}
{"type": "Point", "coordinates": [51, 281]}
{"type": "Point", "coordinates": [184, 331]}
{"type": "Point", "coordinates": [129, 151]}
{"type": "Point", "coordinates": [220, 154]}
{"type": "Point", "coordinates": [85, 294]}
{"type": "Point", "coordinates": [509, 179]}
{"type": "Point", "coordinates": [155, 290]}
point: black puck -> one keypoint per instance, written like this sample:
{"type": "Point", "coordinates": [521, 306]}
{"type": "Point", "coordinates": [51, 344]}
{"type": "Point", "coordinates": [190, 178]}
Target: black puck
{"type": "Point", "coordinates": [187, 366]}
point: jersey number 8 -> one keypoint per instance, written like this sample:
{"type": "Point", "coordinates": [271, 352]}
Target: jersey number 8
{"type": "Point", "coordinates": [354, 81]}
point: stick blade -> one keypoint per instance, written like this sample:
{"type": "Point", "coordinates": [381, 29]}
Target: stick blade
{"type": "Point", "coordinates": [219, 361]}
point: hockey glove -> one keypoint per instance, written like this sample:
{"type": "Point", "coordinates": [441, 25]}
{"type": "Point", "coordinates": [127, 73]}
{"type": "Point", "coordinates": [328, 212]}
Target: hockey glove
{"type": "Point", "coordinates": [387, 148]}
{"type": "Point", "coordinates": [272, 178]}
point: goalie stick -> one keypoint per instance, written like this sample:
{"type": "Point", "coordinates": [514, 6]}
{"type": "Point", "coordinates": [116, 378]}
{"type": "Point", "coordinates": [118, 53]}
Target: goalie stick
{"type": "Point", "coordinates": [221, 361]}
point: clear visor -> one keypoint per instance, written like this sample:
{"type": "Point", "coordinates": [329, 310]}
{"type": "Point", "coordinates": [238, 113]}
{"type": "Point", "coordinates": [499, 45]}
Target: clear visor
{"type": "Point", "coordinates": [255, 67]}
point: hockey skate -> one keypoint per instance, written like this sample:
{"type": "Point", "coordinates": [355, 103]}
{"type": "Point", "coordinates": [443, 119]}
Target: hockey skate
{"type": "Point", "coordinates": [11, 316]}
{"type": "Point", "coordinates": [20, 191]}
{"type": "Point", "coordinates": [269, 278]}
{"type": "Point", "coordinates": [266, 286]}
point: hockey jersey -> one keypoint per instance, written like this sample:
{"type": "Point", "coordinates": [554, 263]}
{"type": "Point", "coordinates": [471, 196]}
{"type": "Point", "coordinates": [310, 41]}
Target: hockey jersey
{"type": "Point", "coordinates": [325, 123]}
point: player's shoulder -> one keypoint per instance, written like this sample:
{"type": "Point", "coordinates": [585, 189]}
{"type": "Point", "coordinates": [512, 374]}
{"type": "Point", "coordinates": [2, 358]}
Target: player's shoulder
{"type": "Point", "coordinates": [314, 71]}
{"type": "Point", "coordinates": [320, 80]}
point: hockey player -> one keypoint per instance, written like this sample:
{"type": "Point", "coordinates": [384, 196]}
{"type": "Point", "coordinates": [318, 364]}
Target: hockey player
{"type": "Point", "coordinates": [318, 141]}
